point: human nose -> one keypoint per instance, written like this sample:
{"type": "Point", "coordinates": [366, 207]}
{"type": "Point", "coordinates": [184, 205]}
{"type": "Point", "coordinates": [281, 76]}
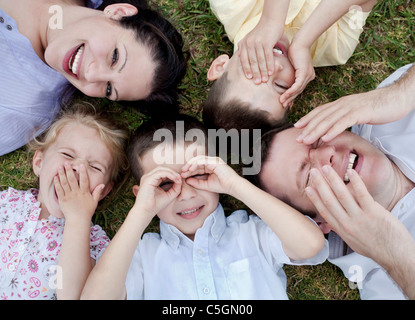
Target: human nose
{"type": "Point", "coordinates": [187, 192]}
{"type": "Point", "coordinates": [96, 73]}
{"type": "Point", "coordinates": [322, 156]}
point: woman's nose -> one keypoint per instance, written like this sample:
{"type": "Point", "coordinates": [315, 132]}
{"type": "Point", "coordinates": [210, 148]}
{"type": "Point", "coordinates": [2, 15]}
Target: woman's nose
{"type": "Point", "coordinates": [96, 73]}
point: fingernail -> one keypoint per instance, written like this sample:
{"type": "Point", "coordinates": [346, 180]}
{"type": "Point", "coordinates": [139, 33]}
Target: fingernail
{"type": "Point", "coordinates": [308, 191]}
{"type": "Point", "coordinates": [257, 80]}
{"type": "Point", "coordinates": [300, 138]}
{"type": "Point", "coordinates": [249, 76]}
{"type": "Point", "coordinates": [326, 170]}
{"type": "Point", "coordinates": [264, 79]}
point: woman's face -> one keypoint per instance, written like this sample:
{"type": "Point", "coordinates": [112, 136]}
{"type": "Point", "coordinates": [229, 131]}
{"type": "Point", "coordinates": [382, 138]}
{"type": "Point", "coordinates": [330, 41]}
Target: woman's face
{"type": "Point", "coordinates": [101, 58]}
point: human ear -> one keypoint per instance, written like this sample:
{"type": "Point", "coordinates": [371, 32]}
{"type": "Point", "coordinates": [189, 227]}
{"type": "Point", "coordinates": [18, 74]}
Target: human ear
{"type": "Point", "coordinates": [107, 190]}
{"type": "Point", "coordinates": [37, 162]}
{"type": "Point", "coordinates": [135, 190]}
{"type": "Point", "coordinates": [217, 68]}
{"type": "Point", "coordinates": [117, 11]}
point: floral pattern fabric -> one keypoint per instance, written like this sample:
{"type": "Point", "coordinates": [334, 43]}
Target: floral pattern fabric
{"type": "Point", "coordinates": [29, 247]}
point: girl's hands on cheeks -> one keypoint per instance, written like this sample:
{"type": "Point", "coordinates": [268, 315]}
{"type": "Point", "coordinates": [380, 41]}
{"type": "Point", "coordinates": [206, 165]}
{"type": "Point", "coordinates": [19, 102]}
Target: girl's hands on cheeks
{"type": "Point", "coordinates": [302, 62]}
{"type": "Point", "coordinates": [157, 189]}
{"type": "Point", "coordinates": [75, 199]}
{"type": "Point", "coordinates": [211, 174]}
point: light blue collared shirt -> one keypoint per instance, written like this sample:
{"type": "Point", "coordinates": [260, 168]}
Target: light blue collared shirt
{"type": "Point", "coordinates": [29, 89]}
{"type": "Point", "coordinates": [235, 257]}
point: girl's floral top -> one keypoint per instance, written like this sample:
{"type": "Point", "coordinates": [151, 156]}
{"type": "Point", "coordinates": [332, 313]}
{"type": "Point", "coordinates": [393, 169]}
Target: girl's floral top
{"type": "Point", "coordinates": [29, 247]}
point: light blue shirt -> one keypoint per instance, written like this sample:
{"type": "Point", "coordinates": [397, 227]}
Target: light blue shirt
{"type": "Point", "coordinates": [238, 257]}
{"type": "Point", "coordinates": [30, 90]}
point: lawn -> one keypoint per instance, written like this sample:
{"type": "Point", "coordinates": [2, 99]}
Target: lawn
{"type": "Point", "coordinates": [386, 44]}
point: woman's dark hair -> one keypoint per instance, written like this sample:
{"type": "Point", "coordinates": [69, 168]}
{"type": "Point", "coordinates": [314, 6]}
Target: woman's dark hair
{"type": "Point", "coordinates": [166, 45]}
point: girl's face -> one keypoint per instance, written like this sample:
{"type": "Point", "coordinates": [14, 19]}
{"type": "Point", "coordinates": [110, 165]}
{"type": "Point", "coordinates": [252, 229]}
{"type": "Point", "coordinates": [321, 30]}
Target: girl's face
{"type": "Point", "coordinates": [75, 144]}
{"type": "Point", "coordinates": [101, 58]}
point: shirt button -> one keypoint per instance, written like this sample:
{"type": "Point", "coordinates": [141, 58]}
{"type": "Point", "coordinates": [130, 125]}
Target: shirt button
{"type": "Point", "coordinates": [1, 20]}
{"type": "Point", "coordinates": [206, 290]}
{"type": "Point", "coordinates": [200, 252]}
{"type": "Point", "coordinates": [12, 267]}
{"type": "Point", "coordinates": [9, 27]}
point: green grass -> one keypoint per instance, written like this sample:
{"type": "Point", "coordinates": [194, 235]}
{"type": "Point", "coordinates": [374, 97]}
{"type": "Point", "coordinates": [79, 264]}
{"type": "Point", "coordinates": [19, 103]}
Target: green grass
{"type": "Point", "coordinates": [386, 44]}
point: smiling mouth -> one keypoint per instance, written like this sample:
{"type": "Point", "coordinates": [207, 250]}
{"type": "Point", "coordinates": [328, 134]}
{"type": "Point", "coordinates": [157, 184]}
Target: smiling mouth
{"type": "Point", "coordinates": [191, 213]}
{"type": "Point", "coordinates": [280, 49]}
{"type": "Point", "coordinates": [353, 158]}
{"type": "Point", "coordinates": [74, 59]}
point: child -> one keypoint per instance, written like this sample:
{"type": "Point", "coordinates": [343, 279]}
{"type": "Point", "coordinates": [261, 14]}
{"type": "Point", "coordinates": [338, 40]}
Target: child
{"type": "Point", "coordinates": [199, 253]}
{"type": "Point", "coordinates": [321, 33]}
{"type": "Point", "coordinates": [47, 242]}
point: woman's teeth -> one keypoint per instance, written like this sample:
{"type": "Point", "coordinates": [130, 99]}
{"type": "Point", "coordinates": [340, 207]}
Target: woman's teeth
{"type": "Point", "coordinates": [74, 60]}
{"type": "Point", "coordinates": [352, 159]}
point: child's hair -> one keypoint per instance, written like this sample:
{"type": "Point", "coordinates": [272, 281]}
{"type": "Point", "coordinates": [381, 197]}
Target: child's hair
{"type": "Point", "coordinates": [112, 134]}
{"type": "Point", "coordinates": [166, 45]}
{"type": "Point", "coordinates": [219, 111]}
{"type": "Point", "coordinates": [142, 140]}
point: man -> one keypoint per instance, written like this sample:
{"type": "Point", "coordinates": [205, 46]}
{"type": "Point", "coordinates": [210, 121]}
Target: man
{"type": "Point", "coordinates": [368, 173]}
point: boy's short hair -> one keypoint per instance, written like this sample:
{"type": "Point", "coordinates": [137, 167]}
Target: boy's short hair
{"type": "Point", "coordinates": [142, 140]}
{"type": "Point", "coordinates": [221, 112]}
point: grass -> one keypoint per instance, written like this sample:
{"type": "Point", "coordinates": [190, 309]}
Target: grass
{"type": "Point", "coordinates": [386, 44]}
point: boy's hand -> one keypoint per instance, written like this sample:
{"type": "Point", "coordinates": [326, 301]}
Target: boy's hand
{"type": "Point", "coordinates": [302, 62]}
{"type": "Point", "coordinates": [256, 52]}
{"type": "Point", "coordinates": [157, 189]}
{"type": "Point", "coordinates": [210, 173]}
{"type": "Point", "coordinates": [75, 199]}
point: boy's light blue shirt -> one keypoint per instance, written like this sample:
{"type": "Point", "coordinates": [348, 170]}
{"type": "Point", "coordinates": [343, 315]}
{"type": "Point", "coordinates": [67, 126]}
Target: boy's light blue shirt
{"type": "Point", "coordinates": [235, 257]}
{"type": "Point", "coordinates": [29, 89]}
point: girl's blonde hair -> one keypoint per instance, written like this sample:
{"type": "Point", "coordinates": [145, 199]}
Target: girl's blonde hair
{"type": "Point", "coordinates": [112, 134]}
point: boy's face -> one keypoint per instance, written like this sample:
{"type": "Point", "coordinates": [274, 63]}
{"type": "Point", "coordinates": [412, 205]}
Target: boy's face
{"type": "Point", "coordinates": [192, 206]}
{"type": "Point", "coordinates": [264, 96]}
{"type": "Point", "coordinates": [75, 144]}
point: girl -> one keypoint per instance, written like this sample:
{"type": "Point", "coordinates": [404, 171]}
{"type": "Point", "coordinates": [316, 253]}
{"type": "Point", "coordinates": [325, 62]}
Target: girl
{"type": "Point", "coordinates": [47, 242]}
{"type": "Point", "coordinates": [123, 51]}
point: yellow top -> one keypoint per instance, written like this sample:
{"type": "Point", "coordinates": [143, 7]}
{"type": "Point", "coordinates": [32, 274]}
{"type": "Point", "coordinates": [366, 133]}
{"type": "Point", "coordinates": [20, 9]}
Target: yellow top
{"type": "Point", "coordinates": [333, 47]}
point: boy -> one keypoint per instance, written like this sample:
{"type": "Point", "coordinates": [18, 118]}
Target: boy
{"type": "Point", "coordinates": [277, 42]}
{"type": "Point", "coordinates": [199, 253]}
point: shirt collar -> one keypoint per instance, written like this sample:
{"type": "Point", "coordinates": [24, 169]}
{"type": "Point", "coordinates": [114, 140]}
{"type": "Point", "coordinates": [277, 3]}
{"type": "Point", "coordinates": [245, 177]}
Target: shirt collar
{"type": "Point", "coordinates": [215, 222]}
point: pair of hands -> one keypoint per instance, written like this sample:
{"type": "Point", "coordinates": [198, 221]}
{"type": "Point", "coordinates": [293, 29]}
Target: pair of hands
{"type": "Point", "coordinates": [162, 185]}
{"type": "Point", "coordinates": [75, 199]}
{"type": "Point", "coordinates": [257, 59]}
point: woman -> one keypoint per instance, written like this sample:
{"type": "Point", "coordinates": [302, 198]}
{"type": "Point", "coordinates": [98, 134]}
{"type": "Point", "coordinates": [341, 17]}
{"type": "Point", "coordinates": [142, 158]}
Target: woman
{"type": "Point", "coordinates": [123, 51]}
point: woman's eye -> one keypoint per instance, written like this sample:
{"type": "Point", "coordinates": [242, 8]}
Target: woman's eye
{"type": "Point", "coordinates": [109, 90]}
{"type": "Point", "coordinates": [114, 56]}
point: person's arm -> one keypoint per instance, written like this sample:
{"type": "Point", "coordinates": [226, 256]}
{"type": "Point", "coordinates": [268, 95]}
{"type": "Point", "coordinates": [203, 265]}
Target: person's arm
{"type": "Point", "coordinates": [367, 227]}
{"type": "Point", "coordinates": [378, 106]}
{"type": "Point", "coordinates": [325, 15]}
{"type": "Point", "coordinates": [301, 238]}
{"type": "Point", "coordinates": [78, 206]}
{"type": "Point", "coordinates": [255, 49]}
{"type": "Point", "coordinates": [107, 279]}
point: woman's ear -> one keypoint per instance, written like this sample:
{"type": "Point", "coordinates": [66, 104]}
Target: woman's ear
{"type": "Point", "coordinates": [135, 190]}
{"type": "Point", "coordinates": [37, 162]}
{"type": "Point", "coordinates": [217, 68]}
{"type": "Point", "coordinates": [117, 11]}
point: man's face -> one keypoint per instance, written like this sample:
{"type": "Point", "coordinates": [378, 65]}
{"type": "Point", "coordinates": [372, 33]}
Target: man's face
{"type": "Point", "coordinates": [286, 172]}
